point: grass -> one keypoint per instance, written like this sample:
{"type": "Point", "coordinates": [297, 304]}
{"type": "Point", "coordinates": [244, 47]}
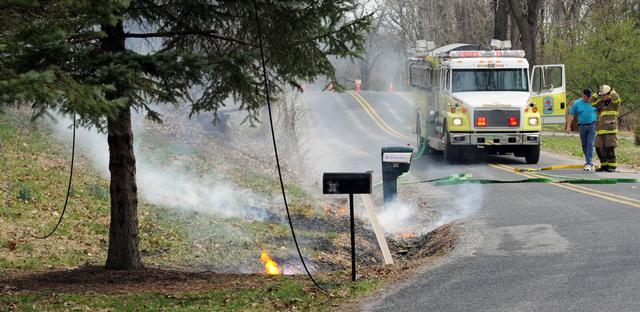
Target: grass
{"type": "Point", "coordinates": [300, 201]}
{"type": "Point", "coordinates": [278, 294]}
{"type": "Point", "coordinates": [34, 183]}
{"type": "Point", "coordinates": [627, 153]}
{"type": "Point", "coordinates": [33, 189]}
{"type": "Point", "coordinates": [553, 127]}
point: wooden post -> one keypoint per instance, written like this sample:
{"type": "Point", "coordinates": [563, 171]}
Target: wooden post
{"type": "Point", "coordinates": [377, 229]}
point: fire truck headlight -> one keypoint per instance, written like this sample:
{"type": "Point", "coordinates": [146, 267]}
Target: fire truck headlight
{"type": "Point", "coordinates": [457, 121]}
{"type": "Point", "coordinates": [533, 121]}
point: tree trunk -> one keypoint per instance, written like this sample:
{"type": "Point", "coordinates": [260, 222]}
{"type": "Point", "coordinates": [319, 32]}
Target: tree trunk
{"type": "Point", "coordinates": [123, 251]}
{"type": "Point", "coordinates": [527, 24]}
{"type": "Point", "coordinates": [123, 230]}
{"type": "Point", "coordinates": [514, 34]}
{"type": "Point", "coordinates": [501, 19]}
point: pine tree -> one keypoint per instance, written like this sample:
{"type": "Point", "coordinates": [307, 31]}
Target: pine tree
{"type": "Point", "coordinates": [75, 57]}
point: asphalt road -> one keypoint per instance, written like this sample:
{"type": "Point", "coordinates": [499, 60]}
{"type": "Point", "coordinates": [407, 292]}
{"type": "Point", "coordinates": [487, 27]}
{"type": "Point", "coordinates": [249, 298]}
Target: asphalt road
{"type": "Point", "coordinates": [525, 247]}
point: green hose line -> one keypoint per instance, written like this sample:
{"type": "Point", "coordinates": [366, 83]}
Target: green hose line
{"type": "Point", "coordinates": [489, 181]}
{"type": "Point", "coordinates": [453, 177]}
{"type": "Point", "coordinates": [423, 146]}
{"type": "Point", "coordinates": [466, 178]}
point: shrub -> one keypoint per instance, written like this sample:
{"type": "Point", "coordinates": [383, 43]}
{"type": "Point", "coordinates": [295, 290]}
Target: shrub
{"type": "Point", "coordinates": [98, 191]}
{"type": "Point", "coordinates": [25, 193]}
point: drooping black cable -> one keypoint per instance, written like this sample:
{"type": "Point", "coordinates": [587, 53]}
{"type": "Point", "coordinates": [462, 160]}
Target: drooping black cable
{"type": "Point", "coordinates": [275, 148]}
{"type": "Point", "coordinates": [66, 201]}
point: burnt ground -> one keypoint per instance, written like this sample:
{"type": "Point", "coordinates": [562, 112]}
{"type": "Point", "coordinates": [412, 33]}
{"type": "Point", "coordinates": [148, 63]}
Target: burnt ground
{"type": "Point", "coordinates": [98, 279]}
{"type": "Point", "coordinates": [334, 254]}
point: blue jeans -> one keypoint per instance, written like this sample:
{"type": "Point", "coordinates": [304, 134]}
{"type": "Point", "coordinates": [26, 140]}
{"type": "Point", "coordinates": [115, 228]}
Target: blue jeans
{"type": "Point", "coordinates": [588, 138]}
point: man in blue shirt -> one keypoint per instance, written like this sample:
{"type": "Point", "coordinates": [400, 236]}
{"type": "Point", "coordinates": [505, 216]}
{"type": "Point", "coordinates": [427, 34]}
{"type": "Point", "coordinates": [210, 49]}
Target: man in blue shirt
{"type": "Point", "coordinates": [587, 117]}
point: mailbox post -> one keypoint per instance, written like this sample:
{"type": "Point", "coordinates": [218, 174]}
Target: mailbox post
{"type": "Point", "coordinates": [348, 183]}
{"type": "Point", "coordinates": [396, 160]}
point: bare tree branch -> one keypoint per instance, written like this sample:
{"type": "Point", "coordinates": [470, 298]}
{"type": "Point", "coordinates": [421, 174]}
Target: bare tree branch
{"type": "Point", "coordinates": [205, 33]}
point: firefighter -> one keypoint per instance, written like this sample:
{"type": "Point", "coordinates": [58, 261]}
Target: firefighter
{"type": "Point", "coordinates": [607, 102]}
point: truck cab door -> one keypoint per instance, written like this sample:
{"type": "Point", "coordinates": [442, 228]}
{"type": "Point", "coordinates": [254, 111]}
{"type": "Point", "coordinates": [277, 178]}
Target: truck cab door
{"type": "Point", "coordinates": [548, 92]}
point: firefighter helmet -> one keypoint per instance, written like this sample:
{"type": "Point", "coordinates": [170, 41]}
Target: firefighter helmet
{"type": "Point", "coordinates": [604, 89]}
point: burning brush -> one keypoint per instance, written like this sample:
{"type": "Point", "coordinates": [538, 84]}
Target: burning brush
{"type": "Point", "coordinates": [270, 267]}
{"type": "Point", "coordinates": [408, 233]}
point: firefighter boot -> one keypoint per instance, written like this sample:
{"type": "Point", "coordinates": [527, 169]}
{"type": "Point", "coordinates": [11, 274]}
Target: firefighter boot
{"type": "Point", "coordinates": [610, 153]}
{"type": "Point", "coordinates": [603, 160]}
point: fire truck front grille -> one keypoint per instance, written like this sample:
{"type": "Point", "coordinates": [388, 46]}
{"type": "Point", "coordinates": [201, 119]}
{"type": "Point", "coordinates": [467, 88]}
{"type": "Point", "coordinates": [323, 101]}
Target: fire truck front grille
{"type": "Point", "coordinates": [496, 118]}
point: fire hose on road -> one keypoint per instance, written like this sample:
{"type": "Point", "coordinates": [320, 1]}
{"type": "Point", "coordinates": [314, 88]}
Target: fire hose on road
{"type": "Point", "coordinates": [467, 178]}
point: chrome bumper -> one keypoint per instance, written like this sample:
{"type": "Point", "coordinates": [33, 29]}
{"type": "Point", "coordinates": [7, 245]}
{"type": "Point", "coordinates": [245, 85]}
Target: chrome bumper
{"type": "Point", "coordinates": [495, 138]}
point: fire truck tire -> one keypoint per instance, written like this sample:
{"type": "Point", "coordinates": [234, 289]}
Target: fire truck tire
{"type": "Point", "coordinates": [430, 150]}
{"type": "Point", "coordinates": [451, 153]}
{"type": "Point", "coordinates": [532, 154]}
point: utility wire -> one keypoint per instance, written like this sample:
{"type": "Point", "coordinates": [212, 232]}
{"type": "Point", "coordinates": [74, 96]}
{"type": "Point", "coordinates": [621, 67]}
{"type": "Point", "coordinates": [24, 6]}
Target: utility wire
{"type": "Point", "coordinates": [66, 201]}
{"type": "Point", "coordinates": [275, 148]}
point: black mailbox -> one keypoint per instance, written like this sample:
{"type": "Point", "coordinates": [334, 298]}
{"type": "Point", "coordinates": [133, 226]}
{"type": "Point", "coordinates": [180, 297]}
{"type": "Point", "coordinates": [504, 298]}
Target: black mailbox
{"type": "Point", "coordinates": [346, 182]}
{"type": "Point", "coordinates": [396, 160]}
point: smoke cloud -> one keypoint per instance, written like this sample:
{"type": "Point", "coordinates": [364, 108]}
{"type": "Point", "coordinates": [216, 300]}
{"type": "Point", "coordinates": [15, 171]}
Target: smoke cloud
{"type": "Point", "coordinates": [402, 216]}
{"type": "Point", "coordinates": [398, 217]}
{"type": "Point", "coordinates": [170, 184]}
{"type": "Point", "coordinates": [467, 201]}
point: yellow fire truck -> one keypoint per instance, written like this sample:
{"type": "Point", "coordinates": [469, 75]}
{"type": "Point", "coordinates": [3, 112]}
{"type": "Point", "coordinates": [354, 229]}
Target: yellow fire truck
{"type": "Point", "coordinates": [467, 98]}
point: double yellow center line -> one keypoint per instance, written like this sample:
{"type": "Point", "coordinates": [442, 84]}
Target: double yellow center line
{"type": "Point", "coordinates": [377, 119]}
{"type": "Point", "coordinates": [576, 188]}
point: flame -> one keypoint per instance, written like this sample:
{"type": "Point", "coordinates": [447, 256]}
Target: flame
{"type": "Point", "coordinates": [270, 266]}
{"type": "Point", "coordinates": [406, 235]}
{"type": "Point", "coordinates": [337, 212]}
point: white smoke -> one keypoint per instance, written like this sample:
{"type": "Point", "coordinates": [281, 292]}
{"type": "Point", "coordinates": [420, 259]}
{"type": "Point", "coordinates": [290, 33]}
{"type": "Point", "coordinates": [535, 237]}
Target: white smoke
{"type": "Point", "coordinates": [170, 185]}
{"type": "Point", "coordinates": [88, 142]}
{"type": "Point", "coordinates": [467, 200]}
{"type": "Point", "coordinates": [173, 188]}
{"type": "Point", "coordinates": [398, 217]}
{"type": "Point", "coordinates": [406, 216]}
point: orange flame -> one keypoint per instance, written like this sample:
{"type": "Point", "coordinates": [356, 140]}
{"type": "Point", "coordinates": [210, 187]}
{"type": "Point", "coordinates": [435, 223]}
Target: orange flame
{"type": "Point", "coordinates": [337, 212]}
{"type": "Point", "coordinates": [270, 266]}
{"type": "Point", "coordinates": [406, 235]}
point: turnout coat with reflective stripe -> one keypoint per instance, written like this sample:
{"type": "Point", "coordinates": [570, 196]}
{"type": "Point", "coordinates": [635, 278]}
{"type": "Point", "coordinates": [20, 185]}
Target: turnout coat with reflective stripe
{"type": "Point", "coordinates": [607, 113]}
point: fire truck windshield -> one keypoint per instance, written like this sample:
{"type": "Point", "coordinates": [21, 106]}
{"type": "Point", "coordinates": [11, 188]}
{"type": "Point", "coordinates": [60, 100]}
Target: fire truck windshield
{"type": "Point", "coordinates": [469, 80]}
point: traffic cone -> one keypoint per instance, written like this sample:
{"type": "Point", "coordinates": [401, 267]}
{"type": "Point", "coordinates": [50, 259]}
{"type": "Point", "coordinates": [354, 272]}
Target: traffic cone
{"type": "Point", "coordinates": [358, 87]}
{"type": "Point", "coordinates": [390, 89]}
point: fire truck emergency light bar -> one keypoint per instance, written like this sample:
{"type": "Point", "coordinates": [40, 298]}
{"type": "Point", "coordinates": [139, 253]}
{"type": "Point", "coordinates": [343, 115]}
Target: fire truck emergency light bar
{"type": "Point", "coordinates": [507, 53]}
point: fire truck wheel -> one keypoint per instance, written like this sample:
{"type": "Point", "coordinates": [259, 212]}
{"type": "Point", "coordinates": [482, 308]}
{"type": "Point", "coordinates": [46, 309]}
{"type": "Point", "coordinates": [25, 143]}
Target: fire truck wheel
{"type": "Point", "coordinates": [430, 150]}
{"type": "Point", "coordinates": [450, 153]}
{"type": "Point", "coordinates": [532, 154]}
